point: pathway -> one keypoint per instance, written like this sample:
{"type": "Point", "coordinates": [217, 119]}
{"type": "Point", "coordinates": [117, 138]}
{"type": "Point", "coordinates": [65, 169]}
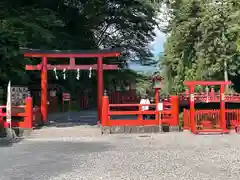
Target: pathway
{"type": "Point", "coordinates": [68, 151]}
{"type": "Point", "coordinates": [78, 153]}
{"type": "Point", "coordinates": [88, 117]}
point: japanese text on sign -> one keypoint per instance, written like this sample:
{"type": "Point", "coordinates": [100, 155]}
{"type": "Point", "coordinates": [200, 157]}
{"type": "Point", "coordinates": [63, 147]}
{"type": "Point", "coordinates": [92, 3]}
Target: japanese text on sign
{"type": "Point", "coordinates": [19, 94]}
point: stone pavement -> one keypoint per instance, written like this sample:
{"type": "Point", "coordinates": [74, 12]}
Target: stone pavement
{"type": "Point", "coordinates": [80, 152]}
{"type": "Point", "coordinates": [88, 117]}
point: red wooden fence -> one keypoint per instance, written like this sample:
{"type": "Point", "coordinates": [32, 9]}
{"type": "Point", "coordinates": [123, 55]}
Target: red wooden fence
{"type": "Point", "coordinates": [167, 116]}
{"type": "Point", "coordinates": [27, 116]}
{"type": "Point", "coordinates": [211, 118]}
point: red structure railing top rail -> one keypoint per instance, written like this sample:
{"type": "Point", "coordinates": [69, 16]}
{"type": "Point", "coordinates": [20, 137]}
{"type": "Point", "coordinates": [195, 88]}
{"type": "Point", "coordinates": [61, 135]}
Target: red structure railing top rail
{"type": "Point", "coordinates": [132, 112]}
{"type": "Point", "coordinates": [22, 114]}
{"type": "Point", "coordinates": [130, 105]}
{"type": "Point", "coordinates": [130, 121]}
{"type": "Point", "coordinates": [4, 106]}
{"type": "Point", "coordinates": [169, 116]}
{"type": "Point", "coordinates": [211, 97]}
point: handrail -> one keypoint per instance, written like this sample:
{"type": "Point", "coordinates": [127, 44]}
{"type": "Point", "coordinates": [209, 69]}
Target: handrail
{"type": "Point", "coordinates": [5, 106]}
{"type": "Point", "coordinates": [27, 115]}
{"type": "Point", "coordinates": [130, 105]}
{"type": "Point", "coordinates": [166, 116]}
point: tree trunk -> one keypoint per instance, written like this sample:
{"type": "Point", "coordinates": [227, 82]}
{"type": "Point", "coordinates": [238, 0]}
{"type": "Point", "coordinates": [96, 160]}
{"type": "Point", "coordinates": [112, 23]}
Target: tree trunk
{"type": "Point", "coordinates": [226, 76]}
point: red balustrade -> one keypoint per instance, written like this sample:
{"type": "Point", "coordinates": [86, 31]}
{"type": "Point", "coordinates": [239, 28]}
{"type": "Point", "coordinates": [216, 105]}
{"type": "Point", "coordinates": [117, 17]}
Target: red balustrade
{"type": "Point", "coordinates": [26, 115]}
{"type": "Point", "coordinates": [210, 119]}
{"type": "Point", "coordinates": [211, 97]}
{"type": "Point", "coordinates": [168, 116]}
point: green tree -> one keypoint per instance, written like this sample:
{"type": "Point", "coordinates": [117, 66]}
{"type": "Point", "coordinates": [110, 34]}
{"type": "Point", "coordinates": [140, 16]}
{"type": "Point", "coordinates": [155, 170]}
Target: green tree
{"type": "Point", "coordinates": [202, 42]}
{"type": "Point", "coordinates": [68, 24]}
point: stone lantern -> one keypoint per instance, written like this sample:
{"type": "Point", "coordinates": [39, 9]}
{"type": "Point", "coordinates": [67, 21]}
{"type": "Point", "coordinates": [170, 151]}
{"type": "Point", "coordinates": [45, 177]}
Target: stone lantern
{"type": "Point", "coordinates": [157, 85]}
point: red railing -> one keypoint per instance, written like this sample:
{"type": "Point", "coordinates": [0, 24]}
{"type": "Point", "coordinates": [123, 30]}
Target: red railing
{"type": "Point", "coordinates": [115, 97]}
{"type": "Point", "coordinates": [211, 118]}
{"type": "Point", "coordinates": [23, 113]}
{"type": "Point", "coordinates": [169, 116]}
{"type": "Point", "coordinates": [211, 97]}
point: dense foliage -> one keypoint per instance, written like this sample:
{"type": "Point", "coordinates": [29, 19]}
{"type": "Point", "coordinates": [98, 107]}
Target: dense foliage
{"type": "Point", "coordinates": [203, 42]}
{"type": "Point", "coordinates": [72, 24]}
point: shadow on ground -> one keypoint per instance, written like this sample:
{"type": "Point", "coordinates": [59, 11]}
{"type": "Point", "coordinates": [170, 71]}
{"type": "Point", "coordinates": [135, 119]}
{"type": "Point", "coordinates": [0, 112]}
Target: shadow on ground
{"type": "Point", "coordinates": [5, 142]}
{"type": "Point", "coordinates": [81, 118]}
{"type": "Point", "coordinates": [70, 119]}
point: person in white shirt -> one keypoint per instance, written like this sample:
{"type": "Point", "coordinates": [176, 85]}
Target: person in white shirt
{"type": "Point", "coordinates": [145, 100]}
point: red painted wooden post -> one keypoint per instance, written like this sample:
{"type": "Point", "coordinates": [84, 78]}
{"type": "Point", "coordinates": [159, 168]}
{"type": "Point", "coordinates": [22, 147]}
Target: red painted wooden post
{"type": "Point", "coordinates": [105, 109]}
{"type": "Point", "coordinates": [140, 116]}
{"type": "Point", "coordinates": [192, 108]}
{"type": "Point", "coordinates": [28, 119]}
{"type": "Point", "coordinates": [222, 108]}
{"type": "Point", "coordinates": [44, 88]}
{"type": "Point", "coordinates": [175, 111]}
{"type": "Point", "coordinates": [100, 85]}
{"type": "Point", "coordinates": [157, 102]}
{"type": "Point", "coordinates": [2, 122]}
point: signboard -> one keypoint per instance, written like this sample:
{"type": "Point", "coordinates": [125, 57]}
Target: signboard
{"type": "Point", "coordinates": [19, 94]}
{"type": "Point", "coordinates": [66, 97]}
{"type": "Point", "coordinates": [9, 105]}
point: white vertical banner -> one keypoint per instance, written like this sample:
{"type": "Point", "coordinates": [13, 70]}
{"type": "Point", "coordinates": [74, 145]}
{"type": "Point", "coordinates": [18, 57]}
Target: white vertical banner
{"type": "Point", "coordinates": [9, 105]}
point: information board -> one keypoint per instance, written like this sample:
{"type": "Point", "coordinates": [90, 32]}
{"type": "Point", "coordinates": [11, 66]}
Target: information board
{"type": "Point", "coordinates": [66, 97]}
{"type": "Point", "coordinates": [19, 94]}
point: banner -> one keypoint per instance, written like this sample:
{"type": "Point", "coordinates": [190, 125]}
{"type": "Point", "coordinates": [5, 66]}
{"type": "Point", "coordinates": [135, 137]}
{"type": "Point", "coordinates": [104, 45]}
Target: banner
{"type": "Point", "coordinates": [9, 105]}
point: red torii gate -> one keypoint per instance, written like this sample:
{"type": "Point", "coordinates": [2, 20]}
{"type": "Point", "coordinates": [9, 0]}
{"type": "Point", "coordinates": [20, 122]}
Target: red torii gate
{"type": "Point", "coordinates": [191, 85]}
{"type": "Point", "coordinates": [71, 54]}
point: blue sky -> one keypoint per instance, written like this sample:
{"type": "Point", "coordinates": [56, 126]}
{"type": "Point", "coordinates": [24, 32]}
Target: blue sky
{"type": "Point", "coordinates": [158, 44]}
{"type": "Point", "coordinates": [157, 47]}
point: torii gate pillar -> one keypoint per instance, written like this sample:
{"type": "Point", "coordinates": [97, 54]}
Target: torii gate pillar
{"type": "Point", "coordinates": [44, 89]}
{"type": "Point", "coordinates": [100, 86]}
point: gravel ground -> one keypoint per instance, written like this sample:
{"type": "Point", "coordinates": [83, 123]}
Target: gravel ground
{"type": "Point", "coordinates": [75, 153]}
